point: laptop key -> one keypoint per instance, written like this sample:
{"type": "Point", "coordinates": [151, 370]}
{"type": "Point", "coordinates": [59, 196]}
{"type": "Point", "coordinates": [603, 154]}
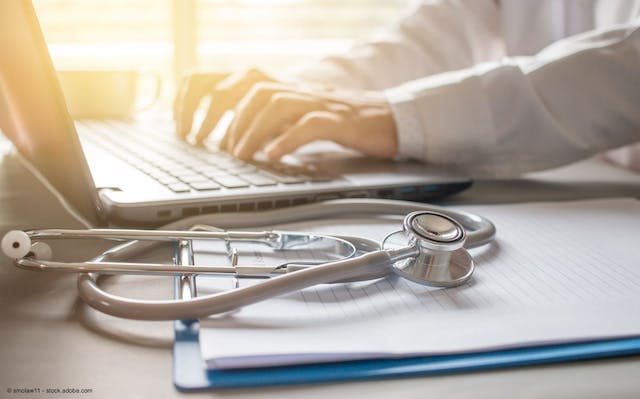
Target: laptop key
{"type": "Point", "coordinates": [148, 169]}
{"type": "Point", "coordinates": [158, 174]}
{"type": "Point", "coordinates": [179, 188]}
{"type": "Point", "coordinates": [258, 179]}
{"type": "Point", "coordinates": [231, 181]}
{"type": "Point", "coordinates": [167, 180]}
{"type": "Point", "coordinates": [197, 166]}
{"type": "Point", "coordinates": [214, 173]}
{"type": "Point", "coordinates": [242, 169]}
{"type": "Point", "coordinates": [205, 185]}
{"type": "Point", "coordinates": [180, 172]}
{"type": "Point", "coordinates": [193, 178]}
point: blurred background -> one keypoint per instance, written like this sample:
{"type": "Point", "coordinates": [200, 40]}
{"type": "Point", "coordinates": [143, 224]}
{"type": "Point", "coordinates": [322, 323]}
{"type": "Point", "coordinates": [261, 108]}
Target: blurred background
{"type": "Point", "coordinates": [170, 37]}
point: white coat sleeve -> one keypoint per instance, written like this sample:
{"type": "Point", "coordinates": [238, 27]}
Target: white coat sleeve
{"type": "Point", "coordinates": [434, 36]}
{"type": "Point", "coordinates": [577, 97]}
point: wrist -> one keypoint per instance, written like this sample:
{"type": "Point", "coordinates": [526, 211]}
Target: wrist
{"type": "Point", "coordinates": [407, 125]}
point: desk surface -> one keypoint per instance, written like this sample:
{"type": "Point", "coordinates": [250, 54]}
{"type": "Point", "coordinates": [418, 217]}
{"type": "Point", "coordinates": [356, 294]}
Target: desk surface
{"type": "Point", "coordinates": [49, 340]}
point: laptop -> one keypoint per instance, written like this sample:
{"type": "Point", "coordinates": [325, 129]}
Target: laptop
{"type": "Point", "coordinates": [132, 173]}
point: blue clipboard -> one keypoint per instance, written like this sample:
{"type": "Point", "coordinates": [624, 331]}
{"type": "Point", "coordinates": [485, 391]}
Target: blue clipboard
{"type": "Point", "coordinates": [190, 373]}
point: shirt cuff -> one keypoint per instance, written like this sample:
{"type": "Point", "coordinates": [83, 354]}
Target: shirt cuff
{"type": "Point", "coordinates": [411, 142]}
{"type": "Point", "coordinates": [445, 120]}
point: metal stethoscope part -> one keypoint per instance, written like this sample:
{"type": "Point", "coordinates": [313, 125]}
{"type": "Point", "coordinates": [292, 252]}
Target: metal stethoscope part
{"type": "Point", "coordinates": [36, 257]}
{"type": "Point", "coordinates": [429, 250]}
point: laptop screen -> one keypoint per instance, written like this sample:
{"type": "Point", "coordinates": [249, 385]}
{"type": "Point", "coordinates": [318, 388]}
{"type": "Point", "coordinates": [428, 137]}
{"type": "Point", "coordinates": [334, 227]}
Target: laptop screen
{"type": "Point", "coordinates": [34, 114]}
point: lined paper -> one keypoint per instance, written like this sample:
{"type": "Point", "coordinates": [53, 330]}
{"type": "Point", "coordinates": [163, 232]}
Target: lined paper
{"type": "Point", "coordinates": [557, 272]}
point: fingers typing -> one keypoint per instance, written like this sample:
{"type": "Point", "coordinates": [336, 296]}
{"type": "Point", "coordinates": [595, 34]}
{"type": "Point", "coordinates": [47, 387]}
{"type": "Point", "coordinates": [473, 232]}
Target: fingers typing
{"type": "Point", "coordinates": [280, 111]}
{"type": "Point", "coordinates": [313, 126]}
{"type": "Point", "coordinates": [279, 118]}
{"type": "Point", "coordinates": [224, 90]}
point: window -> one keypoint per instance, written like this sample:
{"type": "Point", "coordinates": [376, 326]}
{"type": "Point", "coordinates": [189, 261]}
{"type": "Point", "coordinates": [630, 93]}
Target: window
{"type": "Point", "coordinates": [114, 34]}
{"type": "Point", "coordinates": [172, 36]}
{"type": "Point", "coordinates": [277, 33]}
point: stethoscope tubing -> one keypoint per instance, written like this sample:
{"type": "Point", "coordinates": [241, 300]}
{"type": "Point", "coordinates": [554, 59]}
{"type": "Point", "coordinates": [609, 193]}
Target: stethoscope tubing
{"type": "Point", "coordinates": [202, 306]}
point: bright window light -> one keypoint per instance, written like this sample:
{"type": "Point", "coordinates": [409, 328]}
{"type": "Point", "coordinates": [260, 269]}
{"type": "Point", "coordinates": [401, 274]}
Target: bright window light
{"type": "Point", "coordinates": [170, 37]}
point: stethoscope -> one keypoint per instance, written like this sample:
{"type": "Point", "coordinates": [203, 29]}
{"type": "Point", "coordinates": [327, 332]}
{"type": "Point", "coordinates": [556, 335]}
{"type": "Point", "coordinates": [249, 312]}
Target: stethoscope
{"type": "Point", "coordinates": [429, 250]}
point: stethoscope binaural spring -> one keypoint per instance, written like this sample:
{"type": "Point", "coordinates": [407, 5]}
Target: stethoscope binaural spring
{"type": "Point", "coordinates": [429, 250]}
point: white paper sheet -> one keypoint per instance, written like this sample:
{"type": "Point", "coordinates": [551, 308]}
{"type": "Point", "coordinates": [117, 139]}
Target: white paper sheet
{"type": "Point", "coordinates": [558, 272]}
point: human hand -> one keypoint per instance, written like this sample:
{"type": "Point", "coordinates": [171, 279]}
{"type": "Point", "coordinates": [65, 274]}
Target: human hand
{"type": "Point", "coordinates": [279, 118]}
{"type": "Point", "coordinates": [224, 91]}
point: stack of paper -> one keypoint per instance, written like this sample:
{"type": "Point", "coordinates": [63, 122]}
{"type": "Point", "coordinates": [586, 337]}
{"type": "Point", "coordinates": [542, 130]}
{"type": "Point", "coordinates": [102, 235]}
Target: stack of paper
{"type": "Point", "coordinates": [558, 272]}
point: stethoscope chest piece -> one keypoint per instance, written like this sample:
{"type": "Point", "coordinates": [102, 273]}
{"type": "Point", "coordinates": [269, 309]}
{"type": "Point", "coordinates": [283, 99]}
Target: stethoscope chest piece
{"type": "Point", "coordinates": [441, 260]}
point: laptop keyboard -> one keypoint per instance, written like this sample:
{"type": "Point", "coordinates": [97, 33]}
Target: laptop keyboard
{"type": "Point", "coordinates": [184, 168]}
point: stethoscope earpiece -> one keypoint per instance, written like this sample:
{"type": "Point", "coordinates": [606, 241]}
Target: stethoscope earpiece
{"type": "Point", "coordinates": [16, 244]}
{"type": "Point", "coordinates": [41, 251]}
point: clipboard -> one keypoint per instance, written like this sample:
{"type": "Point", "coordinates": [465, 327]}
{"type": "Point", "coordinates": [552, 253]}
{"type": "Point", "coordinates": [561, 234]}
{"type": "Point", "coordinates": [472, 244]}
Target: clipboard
{"type": "Point", "coordinates": [191, 375]}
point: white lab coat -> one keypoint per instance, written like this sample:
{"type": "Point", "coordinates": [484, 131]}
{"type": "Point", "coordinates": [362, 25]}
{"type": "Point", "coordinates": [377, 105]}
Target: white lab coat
{"type": "Point", "coordinates": [503, 87]}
